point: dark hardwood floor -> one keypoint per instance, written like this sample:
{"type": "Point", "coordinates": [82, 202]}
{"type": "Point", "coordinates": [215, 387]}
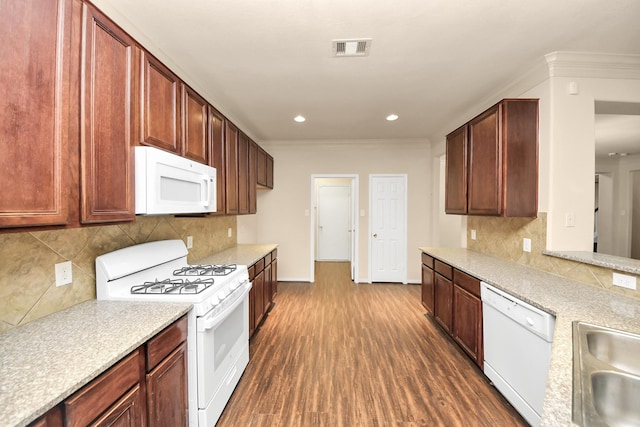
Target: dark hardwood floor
{"type": "Point", "coordinates": [334, 353]}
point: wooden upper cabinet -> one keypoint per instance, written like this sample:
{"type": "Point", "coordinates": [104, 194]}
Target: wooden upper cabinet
{"type": "Point", "coordinates": [264, 169]}
{"type": "Point", "coordinates": [253, 171]}
{"type": "Point", "coordinates": [243, 174]}
{"type": "Point", "coordinates": [502, 162]}
{"type": "Point", "coordinates": [217, 156]}
{"type": "Point", "coordinates": [456, 172]}
{"type": "Point", "coordinates": [231, 168]}
{"type": "Point", "coordinates": [485, 165]}
{"type": "Point", "coordinates": [261, 167]}
{"type": "Point", "coordinates": [269, 171]}
{"type": "Point", "coordinates": [194, 126]}
{"type": "Point", "coordinates": [109, 112]}
{"type": "Point", "coordinates": [160, 106]}
{"type": "Point", "coordinates": [37, 139]}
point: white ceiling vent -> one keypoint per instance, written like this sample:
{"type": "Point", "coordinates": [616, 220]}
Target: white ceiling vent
{"type": "Point", "coordinates": [354, 47]}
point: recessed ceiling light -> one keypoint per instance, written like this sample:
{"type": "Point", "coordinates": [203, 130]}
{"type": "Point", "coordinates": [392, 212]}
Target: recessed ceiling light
{"type": "Point", "coordinates": [392, 117]}
{"type": "Point", "coordinates": [299, 118]}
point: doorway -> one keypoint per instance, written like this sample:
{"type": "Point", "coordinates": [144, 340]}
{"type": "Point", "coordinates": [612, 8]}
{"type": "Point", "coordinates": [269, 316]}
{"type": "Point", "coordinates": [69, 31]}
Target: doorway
{"type": "Point", "coordinates": [334, 226]}
{"type": "Point", "coordinates": [388, 228]}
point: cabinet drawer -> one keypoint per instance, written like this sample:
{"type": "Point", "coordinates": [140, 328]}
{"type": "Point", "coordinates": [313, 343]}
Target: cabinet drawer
{"type": "Point", "coordinates": [267, 259]}
{"type": "Point", "coordinates": [259, 265]}
{"type": "Point", "coordinates": [252, 272]}
{"type": "Point", "coordinates": [92, 400]}
{"type": "Point", "coordinates": [427, 260]}
{"type": "Point", "coordinates": [274, 254]}
{"type": "Point", "coordinates": [469, 283]}
{"type": "Point", "coordinates": [165, 342]}
{"type": "Point", "coordinates": [445, 269]}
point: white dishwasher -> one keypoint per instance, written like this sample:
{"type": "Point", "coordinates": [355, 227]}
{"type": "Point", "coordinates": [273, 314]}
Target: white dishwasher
{"type": "Point", "coordinates": [517, 349]}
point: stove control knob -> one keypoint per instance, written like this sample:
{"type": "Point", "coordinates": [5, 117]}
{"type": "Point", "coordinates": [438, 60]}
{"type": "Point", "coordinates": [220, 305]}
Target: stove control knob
{"type": "Point", "coordinates": [221, 295]}
{"type": "Point", "coordinates": [234, 285]}
{"type": "Point", "coordinates": [214, 301]}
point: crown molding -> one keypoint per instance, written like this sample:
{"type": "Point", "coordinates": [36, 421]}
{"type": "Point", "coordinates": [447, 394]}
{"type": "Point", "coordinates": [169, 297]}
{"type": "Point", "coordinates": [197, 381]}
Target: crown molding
{"type": "Point", "coordinates": [593, 65]}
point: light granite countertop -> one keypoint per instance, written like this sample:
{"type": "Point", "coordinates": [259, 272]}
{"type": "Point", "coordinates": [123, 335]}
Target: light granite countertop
{"type": "Point", "coordinates": [568, 300]}
{"type": "Point", "coordinates": [245, 254]}
{"type": "Point", "coordinates": [47, 360]}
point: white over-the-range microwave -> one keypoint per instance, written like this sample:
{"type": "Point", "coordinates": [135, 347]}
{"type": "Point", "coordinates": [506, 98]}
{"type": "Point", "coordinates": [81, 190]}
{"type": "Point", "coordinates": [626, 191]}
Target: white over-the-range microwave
{"type": "Point", "coordinates": [170, 184]}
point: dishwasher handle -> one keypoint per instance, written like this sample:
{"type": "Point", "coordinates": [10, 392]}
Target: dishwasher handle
{"type": "Point", "coordinates": [529, 317]}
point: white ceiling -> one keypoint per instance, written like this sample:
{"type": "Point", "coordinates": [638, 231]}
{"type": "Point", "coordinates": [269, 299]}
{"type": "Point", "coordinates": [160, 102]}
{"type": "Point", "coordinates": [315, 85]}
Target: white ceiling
{"type": "Point", "coordinates": [263, 62]}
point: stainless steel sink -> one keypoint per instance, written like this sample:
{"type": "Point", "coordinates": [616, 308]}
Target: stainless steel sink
{"type": "Point", "coordinates": [606, 376]}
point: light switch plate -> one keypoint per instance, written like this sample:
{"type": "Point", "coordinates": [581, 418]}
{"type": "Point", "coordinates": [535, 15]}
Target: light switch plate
{"type": "Point", "coordinates": [189, 242]}
{"type": "Point", "coordinates": [526, 245]}
{"type": "Point", "coordinates": [229, 232]}
{"type": "Point", "coordinates": [473, 234]}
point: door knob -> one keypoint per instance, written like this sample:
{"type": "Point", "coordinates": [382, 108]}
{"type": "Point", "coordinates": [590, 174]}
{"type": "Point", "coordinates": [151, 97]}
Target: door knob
{"type": "Point", "coordinates": [375, 234]}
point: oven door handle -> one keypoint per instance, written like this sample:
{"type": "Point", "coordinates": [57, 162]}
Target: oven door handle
{"type": "Point", "coordinates": [205, 323]}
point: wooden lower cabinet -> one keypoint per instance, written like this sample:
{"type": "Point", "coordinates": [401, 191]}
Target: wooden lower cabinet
{"type": "Point", "coordinates": [443, 301]}
{"type": "Point", "coordinates": [428, 278]}
{"type": "Point", "coordinates": [467, 322]}
{"type": "Point", "coordinates": [258, 304]}
{"type": "Point", "coordinates": [166, 377]}
{"type": "Point", "coordinates": [167, 390]}
{"type": "Point", "coordinates": [146, 387]}
{"type": "Point", "coordinates": [53, 418]}
{"type": "Point", "coordinates": [457, 306]}
{"type": "Point", "coordinates": [114, 395]}
{"type": "Point", "coordinates": [263, 276]}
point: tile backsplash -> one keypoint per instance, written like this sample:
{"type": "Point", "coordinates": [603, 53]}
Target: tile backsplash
{"type": "Point", "coordinates": [27, 276]}
{"type": "Point", "coordinates": [503, 237]}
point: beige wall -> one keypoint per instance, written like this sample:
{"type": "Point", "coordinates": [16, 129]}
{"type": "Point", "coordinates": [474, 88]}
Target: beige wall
{"type": "Point", "coordinates": [284, 213]}
{"type": "Point", "coordinates": [27, 259]}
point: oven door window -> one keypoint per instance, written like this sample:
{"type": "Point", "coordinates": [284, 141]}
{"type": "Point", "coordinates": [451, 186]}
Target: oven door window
{"type": "Point", "coordinates": [218, 347]}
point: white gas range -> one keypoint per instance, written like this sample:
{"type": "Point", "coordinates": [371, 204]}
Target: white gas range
{"type": "Point", "coordinates": [218, 324]}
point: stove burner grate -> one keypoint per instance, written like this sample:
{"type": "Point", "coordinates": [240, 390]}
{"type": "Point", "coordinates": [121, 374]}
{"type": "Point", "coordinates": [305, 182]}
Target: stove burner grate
{"type": "Point", "coordinates": [173, 286]}
{"type": "Point", "coordinates": [206, 270]}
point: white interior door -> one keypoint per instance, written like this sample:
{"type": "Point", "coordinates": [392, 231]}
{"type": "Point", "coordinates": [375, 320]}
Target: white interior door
{"type": "Point", "coordinates": [388, 240]}
{"type": "Point", "coordinates": [334, 223]}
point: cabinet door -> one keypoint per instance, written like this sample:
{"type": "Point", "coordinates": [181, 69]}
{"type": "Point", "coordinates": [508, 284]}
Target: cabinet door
{"type": "Point", "coordinates": [109, 88]}
{"type": "Point", "coordinates": [485, 164]}
{"type": "Point", "coordinates": [443, 301]}
{"type": "Point", "coordinates": [160, 106]}
{"type": "Point", "coordinates": [269, 171]}
{"type": "Point", "coordinates": [456, 172]}
{"type": "Point", "coordinates": [231, 168]}
{"type": "Point", "coordinates": [258, 284]}
{"type": "Point", "coordinates": [167, 390]}
{"type": "Point", "coordinates": [267, 288]}
{"type": "Point", "coordinates": [262, 167]}
{"type": "Point", "coordinates": [194, 126]}
{"type": "Point", "coordinates": [217, 158]}
{"type": "Point", "coordinates": [252, 308]}
{"type": "Point", "coordinates": [243, 174]}
{"type": "Point", "coordinates": [467, 323]}
{"type": "Point", "coordinates": [274, 277]}
{"type": "Point", "coordinates": [428, 288]}
{"type": "Point", "coordinates": [253, 180]}
{"type": "Point", "coordinates": [37, 139]}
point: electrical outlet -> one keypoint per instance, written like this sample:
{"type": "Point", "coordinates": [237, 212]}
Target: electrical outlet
{"type": "Point", "coordinates": [624, 281]}
{"type": "Point", "coordinates": [64, 274]}
{"type": "Point", "coordinates": [473, 234]}
{"type": "Point", "coordinates": [189, 242]}
{"type": "Point", "coordinates": [569, 219]}
{"type": "Point", "coordinates": [229, 232]}
{"type": "Point", "coordinates": [526, 245]}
